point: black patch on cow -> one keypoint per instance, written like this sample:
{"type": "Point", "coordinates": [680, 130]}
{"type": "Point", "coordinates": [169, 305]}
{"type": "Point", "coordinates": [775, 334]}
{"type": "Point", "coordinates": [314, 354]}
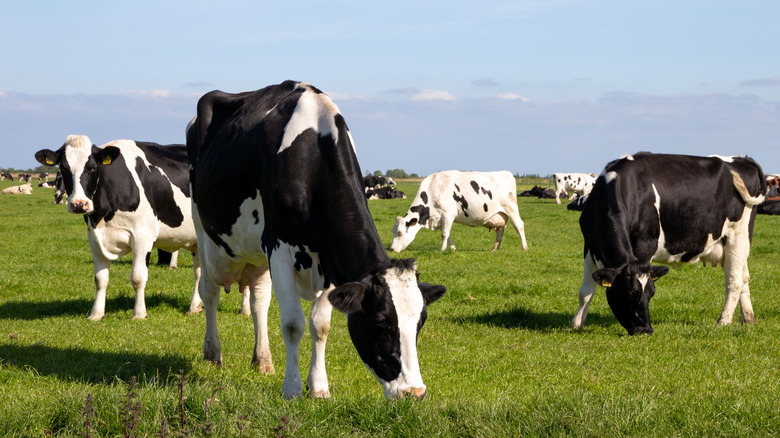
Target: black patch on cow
{"type": "Point", "coordinates": [424, 197]}
{"type": "Point", "coordinates": [411, 222]}
{"type": "Point", "coordinates": [302, 260]}
{"type": "Point", "coordinates": [159, 192]}
{"type": "Point", "coordinates": [475, 186]}
{"type": "Point", "coordinates": [256, 215]}
{"type": "Point", "coordinates": [148, 257]}
{"type": "Point", "coordinates": [464, 205]}
{"type": "Point", "coordinates": [487, 192]}
{"type": "Point", "coordinates": [456, 187]}
{"type": "Point", "coordinates": [485, 207]}
{"type": "Point", "coordinates": [423, 212]}
{"type": "Point", "coordinates": [172, 159]}
{"type": "Point", "coordinates": [111, 188]}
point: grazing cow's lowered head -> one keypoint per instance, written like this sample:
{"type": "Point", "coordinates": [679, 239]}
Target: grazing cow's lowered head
{"type": "Point", "coordinates": [406, 227]}
{"type": "Point", "coordinates": [629, 290]}
{"type": "Point", "coordinates": [79, 161]}
{"type": "Point", "coordinates": [384, 319]}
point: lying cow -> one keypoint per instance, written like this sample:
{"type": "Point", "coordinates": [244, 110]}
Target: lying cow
{"type": "Point", "coordinates": [475, 199]}
{"type": "Point", "coordinates": [385, 193]}
{"type": "Point", "coordinates": [6, 176]}
{"type": "Point", "coordinates": [123, 216]}
{"type": "Point", "coordinates": [373, 182]}
{"type": "Point", "coordinates": [539, 192]}
{"type": "Point", "coordinates": [578, 184]}
{"type": "Point", "coordinates": [671, 209]}
{"type": "Point", "coordinates": [277, 193]}
{"type": "Point", "coordinates": [23, 189]}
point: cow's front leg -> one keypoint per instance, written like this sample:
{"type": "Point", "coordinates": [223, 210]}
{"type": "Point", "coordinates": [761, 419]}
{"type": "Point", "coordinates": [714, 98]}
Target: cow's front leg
{"type": "Point", "coordinates": [499, 236]}
{"type": "Point", "coordinates": [259, 302]}
{"type": "Point", "coordinates": [586, 293]}
{"type": "Point", "coordinates": [293, 322]}
{"type": "Point", "coordinates": [196, 304]}
{"type": "Point", "coordinates": [319, 326]}
{"type": "Point", "coordinates": [735, 270]}
{"type": "Point", "coordinates": [209, 293]}
{"type": "Point", "coordinates": [446, 238]}
{"type": "Point", "coordinates": [139, 274]}
{"type": "Point", "coordinates": [101, 265]}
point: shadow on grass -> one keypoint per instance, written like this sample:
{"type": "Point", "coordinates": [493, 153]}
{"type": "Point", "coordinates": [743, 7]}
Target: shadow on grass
{"type": "Point", "coordinates": [82, 365]}
{"type": "Point", "coordinates": [523, 318]}
{"type": "Point", "coordinates": [26, 310]}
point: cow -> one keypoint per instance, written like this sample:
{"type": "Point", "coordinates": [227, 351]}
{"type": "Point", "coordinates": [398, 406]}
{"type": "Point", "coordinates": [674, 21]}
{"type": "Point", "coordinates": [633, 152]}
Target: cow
{"type": "Point", "coordinates": [47, 185]}
{"type": "Point", "coordinates": [6, 176]}
{"type": "Point", "coordinates": [277, 194]}
{"type": "Point", "coordinates": [43, 176]}
{"type": "Point", "coordinates": [133, 196]}
{"type": "Point", "coordinates": [23, 189]}
{"type": "Point", "coordinates": [579, 184]}
{"type": "Point", "coordinates": [24, 177]}
{"type": "Point", "coordinates": [539, 192]}
{"type": "Point", "coordinates": [672, 209]}
{"type": "Point", "coordinates": [373, 182]}
{"type": "Point", "coordinates": [577, 204]}
{"type": "Point", "coordinates": [59, 188]}
{"type": "Point", "coordinates": [385, 193]}
{"type": "Point", "coordinates": [475, 199]}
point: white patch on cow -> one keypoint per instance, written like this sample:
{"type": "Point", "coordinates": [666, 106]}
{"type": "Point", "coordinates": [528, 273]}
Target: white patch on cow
{"type": "Point", "coordinates": [610, 176]}
{"type": "Point", "coordinates": [643, 279]}
{"type": "Point", "coordinates": [724, 158]}
{"type": "Point", "coordinates": [628, 157]}
{"type": "Point", "coordinates": [313, 111]}
{"type": "Point", "coordinates": [77, 151]}
{"type": "Point", "coordinates": [408, 302]}
{"type": "Point", "coordinates": [244, 238]}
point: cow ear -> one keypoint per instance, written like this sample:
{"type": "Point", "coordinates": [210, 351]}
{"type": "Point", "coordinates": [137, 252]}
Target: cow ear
{"type": "Point", "coordinates": [47, 157]}
{"type": "Point", "coordinates": [348, 298]}
{"type": "Point", "coordinates": [605, 277]}
{"type": "Point", "coordinates": [431, 292]}
{"type": "Point", "coordinates": [657, 272]}
{"type": "Point", "coordinates": [107, 155]}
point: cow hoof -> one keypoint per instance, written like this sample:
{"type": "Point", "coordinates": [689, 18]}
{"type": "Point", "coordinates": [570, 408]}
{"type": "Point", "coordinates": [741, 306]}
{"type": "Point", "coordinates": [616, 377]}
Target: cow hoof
{"type": "Point", "coordinates": [95, 317]}
{"type": "Point", "coordinates": [195, 311]}
{"type": "Point", "coordinates": [139, 316]}
{"type": "Point", "coordinates": [321, 394]}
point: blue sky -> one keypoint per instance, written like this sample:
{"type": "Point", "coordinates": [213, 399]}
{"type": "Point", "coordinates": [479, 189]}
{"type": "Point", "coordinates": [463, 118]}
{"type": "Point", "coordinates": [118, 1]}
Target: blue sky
{"type": "Point", "coordinates": [527, 86]}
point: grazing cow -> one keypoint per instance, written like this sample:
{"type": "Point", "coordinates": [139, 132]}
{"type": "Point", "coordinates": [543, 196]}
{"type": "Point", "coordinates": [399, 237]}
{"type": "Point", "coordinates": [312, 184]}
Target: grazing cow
{"type": "Point", "coordinates": [24, 177]}
{"type": "Point", "coordinates": [6, 176]}
{"type": "Point", "coordinates": [277, 193]}
{"type": "Point", "coordinates": [475, 199]}
{"type": "Point", "coordinates": [134, 196]}
{"type": "Point", "coordinates": [385, 193]}
{"type": "Point", "coordinates": [671, 209]}
{"type": "Point", "coordinates": [43, 176]}
{"type": "Point", "coordinates": [24, 189]}
{"type": "Point", "coordinates": [373, 182]}
{"type": "Point", "coordinates": [578, 184]}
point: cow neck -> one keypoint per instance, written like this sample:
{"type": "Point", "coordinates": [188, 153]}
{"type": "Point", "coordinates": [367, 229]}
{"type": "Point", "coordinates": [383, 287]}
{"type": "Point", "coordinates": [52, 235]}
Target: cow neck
{"type": "Point", "coordinates": [115, 190]}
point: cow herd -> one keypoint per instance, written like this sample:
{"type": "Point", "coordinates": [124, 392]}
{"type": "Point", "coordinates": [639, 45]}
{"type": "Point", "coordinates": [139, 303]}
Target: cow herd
{"type": "Point", "coordinates": [268, 190]}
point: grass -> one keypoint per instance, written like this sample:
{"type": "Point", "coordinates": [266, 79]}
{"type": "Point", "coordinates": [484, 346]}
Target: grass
{"type": "Point", "coordinates": [496, 352]}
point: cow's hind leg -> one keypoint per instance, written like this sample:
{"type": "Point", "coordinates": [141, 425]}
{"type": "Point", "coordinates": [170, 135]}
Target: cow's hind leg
{"type": "Point", "coordinates": [745, 304]}
{"type": "Point", "coordinates": [209, 293]}
{"type": "Point", "coordinates": [292, 318]}
{"type": "Point", "coordinates": [587, 290]}
{"type": "Point", "coordinates": [101, 283]}
{"type": "Point", "coordinates": [446, 227]}
{"type": "Point", "coordinates": [319, 326]}
{"type": "Point", "coordinates": [139, 274]}
{"type": "Point", "coordinates": [259, 302]}
{"type": "Point", "coordinates": [514, 217]}
{"type": "Point", "coordinates": [736, 279]}
{"type": "Point", "coordinates": [196, 304]}
{"type": "Point", "coordinates": [499, 237]}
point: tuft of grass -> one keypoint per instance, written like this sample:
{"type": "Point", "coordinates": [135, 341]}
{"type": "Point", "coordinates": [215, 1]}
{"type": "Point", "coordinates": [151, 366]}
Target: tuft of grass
{"type": "Point", "coordinates": [496, 352]}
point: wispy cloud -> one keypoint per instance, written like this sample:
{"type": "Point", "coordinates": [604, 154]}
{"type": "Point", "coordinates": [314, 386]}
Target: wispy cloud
{"type": "Point", "coordinates": [198, 84]}
{"type": "Point", "coordinates": [485, 82]}
{"type": "Point", "coordinates": [512, 96]}
{"type": "Point", "coordinates": [154, 93]}
{"type": "Point", "coordinates": [761, 82]}
{"type": "Point", "coordinates": [430, 94]}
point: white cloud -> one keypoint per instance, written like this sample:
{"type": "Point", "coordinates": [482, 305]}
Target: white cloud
{"type": "Point", "coordinates": [345, 96]}
{"type": "Point", "coordinates": [513, 96]}
{"type": "Point", "coordinates": [430, 94]}
{"type": "Point", "coordinates": [153, 93]}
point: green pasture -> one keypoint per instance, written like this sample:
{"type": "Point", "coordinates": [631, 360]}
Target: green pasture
{"type": "Point", "coordinates": [496, 352]}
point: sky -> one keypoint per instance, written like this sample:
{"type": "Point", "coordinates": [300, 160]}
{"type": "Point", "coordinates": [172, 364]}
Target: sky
{"type": "Point", "coordinates": [529, 86]}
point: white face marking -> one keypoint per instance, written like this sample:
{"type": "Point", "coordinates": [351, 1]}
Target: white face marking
{"type": "Point", "coordinates": [313, 111]}
{"type": "Point", "coordinates": [77, 151]}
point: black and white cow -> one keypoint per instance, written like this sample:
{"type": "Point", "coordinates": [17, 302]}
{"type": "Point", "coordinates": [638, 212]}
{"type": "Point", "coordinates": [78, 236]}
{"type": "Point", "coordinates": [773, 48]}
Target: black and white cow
{"type": "Point", "coordinates": [539, 192]}
{"type": "Point", "coordinates": [134, 196]}
{"type": "Point", "coordinates": [476, 199]}
{"type": "Point", "coordinates": [277, 193]}
{"type": "Point", "coordinates": [24, 177]}
{"type": "Point", "coordinates": [59, 188]}
{"type": "Point", "coordinates": [6, 175]}
{"type": "Point", "coordinates": [671, 209]}
{"type": "Point", "coordinates": [373, 182]}
{"type": "Point", "coordinates": [385, 193]}
{"type": "Point", "coordinates": [578, 184]}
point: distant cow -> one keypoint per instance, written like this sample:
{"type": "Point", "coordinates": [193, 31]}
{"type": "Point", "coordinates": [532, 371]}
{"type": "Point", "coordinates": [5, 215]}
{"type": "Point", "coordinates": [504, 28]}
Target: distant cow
{"type": "Point", "coordinates": [385, 193]}
{"type": "Point", "coordinates": [578, 184]}
{"type": "Point", "coordinates": [134, 196]}
{"type": "Point", "coordinates": [24, 177]}
{"type": "Point", "coordinates": [277, 193]}
{"type": "Point", "coordinates": [539, 192]}
{"type": "Point", "coordinates": [769, 207]}
{"type": "Point", "coordinates": [47, 185]}
{"type": "Point", "coordinates": [59, 188]}
{"type": "Point", "coordinates": [373, 182]}
{"type": "Point", "coordinates": [24, 189]}
{"type": "Point", "coordinates": [6, 176]}
{"type": "Point", "coordinates": [671, 209]}
{"type": "Point", "coordinates": [475, 199]}
{"type": "Point", "coordinates": [43, 176]}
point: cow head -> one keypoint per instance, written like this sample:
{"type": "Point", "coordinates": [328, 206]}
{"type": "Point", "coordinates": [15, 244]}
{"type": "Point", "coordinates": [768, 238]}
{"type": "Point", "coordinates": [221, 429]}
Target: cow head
{"type": "Point", "coordinates": [385, 312]}
{"type": "Point", "coordinates": [404, 231]}
{"type": "Point", "coordinates": [79, 162]}
{"type": "Point", "coordinates": [629, 290]}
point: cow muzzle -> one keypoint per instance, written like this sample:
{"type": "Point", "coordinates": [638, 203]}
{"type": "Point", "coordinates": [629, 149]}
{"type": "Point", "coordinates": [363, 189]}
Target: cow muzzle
{"type": "Point", "coordinates": [79, 206]}
{"type": "Point", "coordinates": [417, 393]}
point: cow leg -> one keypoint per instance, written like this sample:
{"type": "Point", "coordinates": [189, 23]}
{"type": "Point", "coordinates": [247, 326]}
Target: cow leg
{"type": "Point", "coordinates": [246, 305]}
{"type": "Point", "coordinates": [259, 302]}
{"type": "Point", "coordinates": [745, 304]}
{"type": "Point", "coordinates": [514, 217]}
{"type": "Point", "coordinates": [292, 319]}
{"type": "Point", "coordinates": [587, 290]}
{"type": "Point", "coordinates": [499, 236]}
{"type": "Point", "coordinates": [319, 326]}
{"type": "Point", "coordinates": [101, 283]}
{"type": "Point", "coordinates": [558, 196]}
{"type": "Point", "coordinates": [174, 263]}
{"type": "Point", "coordinates": [735, 270]}
{"type": "Point", "coordinates": [196, 304]}
{"type": "Point", "coordinates": [139, 274]}
{"type": "Point", "coordinates": [209, 293]}
{"type": "Point", "coordinates": [446, 239]}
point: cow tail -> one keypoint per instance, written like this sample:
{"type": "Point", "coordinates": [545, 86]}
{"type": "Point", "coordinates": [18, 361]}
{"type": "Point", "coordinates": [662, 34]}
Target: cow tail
{"type": "Point", "coordinates": [739, 184]}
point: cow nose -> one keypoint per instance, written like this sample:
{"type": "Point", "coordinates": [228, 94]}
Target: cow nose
{"type": "Point", "coordinates": [418, 393]}
{"type": "Point", "coordinates": [79, 206]}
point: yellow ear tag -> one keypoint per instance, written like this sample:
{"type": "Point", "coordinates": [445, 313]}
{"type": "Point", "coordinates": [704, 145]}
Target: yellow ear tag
{"type": "Point", "coordinates": [654, 278]}
{"type": "Point", "coordinates": [49, 161]}
{"type": "Point", "coordinates": [606, 283]}
{"type": "Point", "coordinates": [106, 161]}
